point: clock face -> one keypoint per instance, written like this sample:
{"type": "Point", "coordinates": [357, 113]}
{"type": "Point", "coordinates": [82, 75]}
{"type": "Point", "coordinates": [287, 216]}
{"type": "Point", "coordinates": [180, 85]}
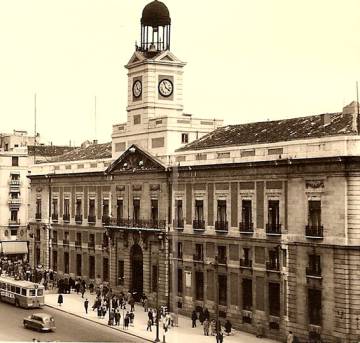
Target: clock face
{"type": "Point", "coordinates": [166, 87]}
{"type": "Point", "coordinates": [137, 88]}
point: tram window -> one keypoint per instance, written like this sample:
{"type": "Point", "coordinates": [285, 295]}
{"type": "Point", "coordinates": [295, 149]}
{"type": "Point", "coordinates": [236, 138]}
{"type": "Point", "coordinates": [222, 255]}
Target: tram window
{"type": "Point", "coordinates": [2, 285]}
{"type": "Point", "coordinates": [17, 290]}
{"type": "Point", "coordinates": [39, 292]}
{"type": "Point", "coordinates": [12, 288]}
{"type": "Point", "coordinates": [8, 287]}
{"type": "Point", "coordinates": [23, 291]}
{"type": "Point", "coordinates": [32, 292]}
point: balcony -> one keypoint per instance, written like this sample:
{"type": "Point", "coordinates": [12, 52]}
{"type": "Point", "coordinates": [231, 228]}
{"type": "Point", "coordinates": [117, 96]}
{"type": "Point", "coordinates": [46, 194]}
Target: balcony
{"type": "Point", "coordinates": [273, 266]}
{"type": "Point", "coordinates": [54, 241]}
{"type": "Point", "coordinates": [245, 263]}
{"type": "Point", "coordinates": [38, 216]}
{"type": "Point", "coordinates": [198, 258]}
{"type": "Point", "coordinates": [273, 229]}
{"type": "Point", "coordinates": [105, 220]}
{"type": "Point", "coordinates": [14, 202]}
{"type": "Point", "coordinates": [14, 182]}
{"type": "Point", "coordinates": [77, 244]}
{"type": "Point", "coordinates": [14, 222]}
{"type": "Point", "coordinates": [178, 223]}
{"type": "Point", "coordinates": [91, 245]}
{"type": "Point", "coordinates": [313, 272]}
{"type": "Point", "coordinates": [222, 260]}
{"type": "Point", "coordinates": [139, 223]}
{"type": "Point", "coordinates": [221, 226]}
{"type": "Point", "coordinates": [78, 219]}
{"type": "Point", "coordinates": [246, 228]}
{"type": "Point", "coordinates": [314, 232]}
{"type": "Point", "coordinates": [55, 217]}
{"type": "Point", "coordinates": [14, 185]}
{"type": "Point", "coordinates": [91, 219]}
{"type": "Point", "coordinates": [66, 242]}
{"type": "Point", "coordinates": [66, 217]}
{"type": "Point", "coordinates": [199, 225]}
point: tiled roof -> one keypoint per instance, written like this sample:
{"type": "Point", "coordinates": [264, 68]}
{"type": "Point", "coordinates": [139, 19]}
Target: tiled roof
{"type": "Point", "coordinates": [90, 152]}
{"type": "Point", "coordinates": [329, 124]}
{"type": "Point", "coordinates": [48, 150]}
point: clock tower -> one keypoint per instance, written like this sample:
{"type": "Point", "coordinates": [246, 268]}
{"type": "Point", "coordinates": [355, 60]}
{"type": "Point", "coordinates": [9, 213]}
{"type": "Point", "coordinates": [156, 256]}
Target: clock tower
{"type": "Point", "coordinates": [155, 117]}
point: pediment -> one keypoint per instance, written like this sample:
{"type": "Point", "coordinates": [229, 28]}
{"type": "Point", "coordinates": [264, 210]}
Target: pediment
{"type": "Point", "coordinates": [134, 159]}
{"type": "Point", "coordinates": [136, 57]}
{"type": "Point", "coordinates": [167, 56]}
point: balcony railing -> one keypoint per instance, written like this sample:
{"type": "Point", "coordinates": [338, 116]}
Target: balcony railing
{"type": "Point", "coordinates": [14, 202]}
{"type": "Point", "coordinates": [66, 217]}
{"type": "Point", "coordinates": [92, 219]}
{"type": "Point", "coordinates": [198, 225]}
{"type": "Point", "coordinates": [78, 218]}
{"type": "Point", "coordinates": [221, 226]}
{"type": "Point", "coordinates": [314, 231]}
{"type": "Point", "coordinates": [105, 220]}
{"type": "Point", "coordinates": [78, 244]}
{"type": "Point", "coordinates": [198, 258]}
{"type": "Point", "coordinates": [54, 241]}
{"type": "Point", "coordinates": [246, 227]}
{"type": "Point", "coordinates": [14, 222]}
{"type": "Point", "coordinates": [245, 263]}
{"type": "Point", "coordinates": [273, 265]}
{"type": "Point", "coordinates": [313, 272]}
{"type": "Point", "coordinates": [178, 223]}
{"type": "Point", "coordinates": [222, 260]}
{"type": "Point", "coordinates": [54, 217]}
{"type": "Point", "coordinates": [139, 223]}
{"type": "Point", "coordinates": [273, 229]}
{"type": "Point", "coordinates": [37, 216]}
{"type": "Point", "coordinates": [14, 182]}
{"type": "Point", "coordinates": [66, 242]}
{"type": "Point", "coordinates": [91, 245]}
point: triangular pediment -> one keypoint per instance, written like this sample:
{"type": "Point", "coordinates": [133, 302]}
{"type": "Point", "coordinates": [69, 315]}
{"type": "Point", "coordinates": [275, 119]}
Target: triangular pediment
{"type": "Point", "coordinates": [136, 57]}
{"type": "Point", "coordinates": [135, 159]}
{"type": "Point", "coordinates": [167, 56]}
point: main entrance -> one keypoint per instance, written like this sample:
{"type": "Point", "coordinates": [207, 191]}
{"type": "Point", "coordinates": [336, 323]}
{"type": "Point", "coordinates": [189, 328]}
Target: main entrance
{"type": "Point", "coordinates": [136, 258]}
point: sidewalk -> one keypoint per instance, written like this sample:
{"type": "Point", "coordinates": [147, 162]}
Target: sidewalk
{"type": "Point", "coordinates": [74, 304]}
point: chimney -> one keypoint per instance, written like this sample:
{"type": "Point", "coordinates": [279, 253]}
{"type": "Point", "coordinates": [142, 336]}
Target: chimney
{"type": "Point", "coordinates": [326, 118]}
{"type": "Point", "coordinates": [95, 141]}
{"type": "Point", "coordinates": [353, 109]}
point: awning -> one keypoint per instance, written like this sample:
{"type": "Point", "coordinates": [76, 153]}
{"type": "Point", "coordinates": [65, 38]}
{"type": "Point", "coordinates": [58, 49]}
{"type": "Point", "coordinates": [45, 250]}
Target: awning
{"type": "Point", "coordinates": [14, 247]}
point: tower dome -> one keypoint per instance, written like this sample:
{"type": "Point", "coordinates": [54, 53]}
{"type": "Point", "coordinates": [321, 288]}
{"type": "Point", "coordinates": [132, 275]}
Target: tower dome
{"type": "Point", "coordinates": [155, 27]}
{"type": "Point", "coordinates": [155, 14]}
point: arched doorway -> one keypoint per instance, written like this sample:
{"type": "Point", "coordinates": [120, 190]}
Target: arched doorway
{"type": "Point", "coordinates": [136, 258]}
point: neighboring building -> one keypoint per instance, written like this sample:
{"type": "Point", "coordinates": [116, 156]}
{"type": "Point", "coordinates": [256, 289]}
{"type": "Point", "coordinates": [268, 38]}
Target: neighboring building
{"type": "Point", "coordinates": [257, 222]}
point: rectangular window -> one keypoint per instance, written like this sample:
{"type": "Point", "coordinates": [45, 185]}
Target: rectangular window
{"type": "Point", "coordinates": [184, 138]}
{"type": "Point", "coordinates": [246, 215]}
{"type": "Point", "coordinates": [221, 211]}
{"type": "Point", "coordinates": [179, 250]}
{"type": "Point", "coordinates": [105, 209]}
{"type": "Point", "coordinates": [179, 220]}
{"type": "Point", "coordinates": [78, 210]}
{"type": "Point", "coordinates": [137, 119]}
{"type": "Point", "coordinates": [14, 216]}
{"type": "Point", "coordinates": [180, 281]}
{"type": "Point", "coordinates": [222, 282]}
{"type": "Point", "coordinates": [67, 207]}
{"type": "Point", "coordinates": [92, 267]}
{"type": "Point", "coordinates": [199, 252]}
{"type": "Point", "coordinates": [275, 151]}
{"type": "Point", "coordinates": [91, 207]}
{"type": "Point", "coordinates": [54, 260]}
{"type": "Point", "coordinates": [119, 209]}
{"type": "Point", "coordinates": [120, 273]}
{"type": "Point", "coordinates": [200, 157]}
{"type": "Point", "coordinates": [247, 153]}
{"type": "Point", "coordinates": [66, 262]}
{"type": "Point", "coordinates": [247, 294]}
{"type": "Point", "coordinates": [222, 254]}
{"type": "Point", "coordinates": [154, 278]}
{"type": "Point", "coordinates": [55, 208]}
{"type": "Point", "coordinates": [106, 269]}
{"type": "Point", "coordinates": [199, 210]}
{"type": "Point", "coordinates": [199, 285]}
{"type": "Point", "coordinates": [154, 211]}
{"type": "Point", "coordinates": [78, 239]}
{"type": "Point", "coordinates": [15, 161]}
{"type": "Point", "coordinates": [314, 216]}
{"type": "Point", "coordinates": [91, 242]}
{"type": "Point", "coordinates": [38, 208]}
{"type": "Point", "coordinates": [274, 259]}
{"type": "Point", "coordinates": [273, 216]}
{"type": "Point", "coordinates": [314, 268]}
{"type": "Point", "coordinates": [223, 155]}
{"type": "Point", "coordinates": [158, 142]}
{"type": "Point", "coordinates": [78, 264]}
{"type": "Point", "coordinates": [274, 299]}
{"type": "Point", "coordinates": [314, 307]}
{"type": "Point", "coordinates": [136, 210]}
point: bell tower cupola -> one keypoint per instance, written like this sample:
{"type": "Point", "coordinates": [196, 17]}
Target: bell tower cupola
{"type": "Point", "coordinates": [155, 27]}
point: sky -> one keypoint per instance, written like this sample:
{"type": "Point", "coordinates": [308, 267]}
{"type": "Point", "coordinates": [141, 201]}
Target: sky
{"type": "Point", "coordinates": [246, 61]}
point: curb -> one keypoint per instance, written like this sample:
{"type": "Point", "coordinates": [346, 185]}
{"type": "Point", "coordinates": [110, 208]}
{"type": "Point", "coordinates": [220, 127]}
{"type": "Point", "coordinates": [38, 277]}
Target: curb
{"type": "Point", "coordinates": [108, 326]}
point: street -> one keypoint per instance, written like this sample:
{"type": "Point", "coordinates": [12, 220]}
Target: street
{"type": "Point", "coordinates": [68, 328]}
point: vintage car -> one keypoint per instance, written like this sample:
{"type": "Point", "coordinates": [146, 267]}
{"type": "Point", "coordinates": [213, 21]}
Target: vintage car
{"type": "Point", "coordinates": [40, 322]}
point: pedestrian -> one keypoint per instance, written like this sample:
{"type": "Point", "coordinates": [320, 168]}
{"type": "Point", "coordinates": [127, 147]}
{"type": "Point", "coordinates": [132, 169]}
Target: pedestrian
{"type": "Point", "coordinates": [117, 317]}
{"type": "Point", "coordinates": [99, 311]}
{"type": "Point", "coordinates": [213, 327]}
{"type": "Point", "coordinates": [150, 316]}
{"type": "Point", "coordinates": [146, 304]}
{"type": "Point", "coordinates": [60, 299]}
{"type": "Point", "coordinates": [259, 330]}
{"type": "Point", "coordinates": [193, 318]}
{"type": "Point", "coordinates": [86, 305]}
{"type": "Point", "coordinates": [132, 304]}
{"type": "Point", "coordinates": [207, 314]}
{"type": "Point", "coordinates": [206, 327]}
{"type": "Point", "coordinates": [290, 337]}
{"type": "Point", "coordinates": [103, 312]}
{"type": "Point", "coordinates": [219, 337]}
{"type": "Point", "coordinates": [201, 317]}
{"type": "Point", "coordinates": [149, 323]}
{"type": "Point", "coordinates": [132, 317]}
{"type": "Point", "coordinates": [228, 327]}
{"type": "Point", "coordinates": [82, 290]}
{"type": "Point", "coordinates": [126, 320]}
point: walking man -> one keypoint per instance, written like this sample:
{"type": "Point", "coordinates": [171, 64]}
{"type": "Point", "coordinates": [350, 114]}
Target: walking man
{"type": "Point", "coordinates": [193, 318]}
{"type": "Point", "coordinates": [86, 305]}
